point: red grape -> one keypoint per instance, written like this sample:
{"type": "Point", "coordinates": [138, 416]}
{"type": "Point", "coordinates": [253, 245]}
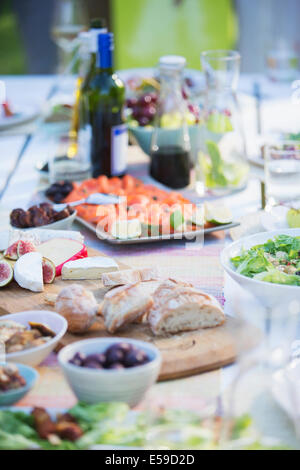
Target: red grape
{"type": "Point", "coordinates": [143, 121]}
{"type": "Point", "coordinates": [149, 111]}
{"type": "Point", "coordinates": [131, 102]}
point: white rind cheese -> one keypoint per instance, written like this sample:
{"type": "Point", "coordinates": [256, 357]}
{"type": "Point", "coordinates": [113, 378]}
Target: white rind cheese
{"type": "Point", "coordinates": [59, 250]}
{"type": "Point", "coordinates": [28, 272]}
{"type": "Point", "coordinates": [48, 234]}
{"type": "Point", "coordinates": [88, 268]}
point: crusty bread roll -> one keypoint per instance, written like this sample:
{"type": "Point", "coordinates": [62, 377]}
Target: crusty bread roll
{"type": "Point", "coordinates": [124, 304]}
{"type": "Point", "coordinates": [129, 276]}
{"type": "Point", "coordinates": [180, 307]}
{"type": "Point", "coordinates": [79, 307]}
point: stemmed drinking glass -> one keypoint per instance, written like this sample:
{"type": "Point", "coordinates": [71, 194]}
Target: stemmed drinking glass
{"type": "Point", "coordinates": [262, 340]}
{"type": "Point", "coordinates": [69, 19]}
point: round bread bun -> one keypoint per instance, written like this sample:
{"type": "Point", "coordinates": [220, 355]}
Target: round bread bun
{"type": "Point", "coordinates": [78, 306]}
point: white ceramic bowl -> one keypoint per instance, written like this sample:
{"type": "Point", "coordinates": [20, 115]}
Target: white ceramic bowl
{"type": "Point", "coordinates": [270, 295]}
{"type": "Point", "coordinates": [63, 224]}
{"type": "Point", "coordinates": [94, 386]}
{"type": "Point", "coordinates": [36, 355]}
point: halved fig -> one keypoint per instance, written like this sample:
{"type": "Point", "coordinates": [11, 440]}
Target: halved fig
{"type": "Point", "coordinates": [6, 273]}
{"type": "Point", "coordinates": [12, 251]}
{"type": "Point", "coordinates": [48, 271]}
{"type": "Point", "coordinates": [45, 330]}
{"type": "Point", "coordinates": [25, 246]}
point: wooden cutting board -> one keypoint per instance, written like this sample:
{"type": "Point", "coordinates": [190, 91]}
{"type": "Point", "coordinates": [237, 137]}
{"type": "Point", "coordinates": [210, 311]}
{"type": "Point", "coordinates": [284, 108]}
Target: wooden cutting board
{"type": "Point", "coordinates": [183, 354]}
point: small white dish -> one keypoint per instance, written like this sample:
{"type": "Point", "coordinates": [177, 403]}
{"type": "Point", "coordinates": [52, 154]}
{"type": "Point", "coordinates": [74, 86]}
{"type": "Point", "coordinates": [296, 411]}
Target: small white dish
{"type": "Point", "coordinates": [270, 295]}
{"type": "Point", "coordinates": [94, 385]}
{"type": "Point", "coordinates": [63, 224]}
{"type": "Point", "coordinates": [275, 217]}
{"type": "Point", "coordinates": [34, 356]}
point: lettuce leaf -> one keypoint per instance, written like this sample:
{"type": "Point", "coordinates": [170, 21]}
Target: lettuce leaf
{"type": "Point", "coordinates": [87, 415]}
{"type": "Point", "coordinates": [278, 277]}
{"type": "Point", "coordinates": [253, 262]}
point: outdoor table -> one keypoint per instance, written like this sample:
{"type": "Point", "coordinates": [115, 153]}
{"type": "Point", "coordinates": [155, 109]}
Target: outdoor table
{"type": "Point", "coordinates": [22, 147]}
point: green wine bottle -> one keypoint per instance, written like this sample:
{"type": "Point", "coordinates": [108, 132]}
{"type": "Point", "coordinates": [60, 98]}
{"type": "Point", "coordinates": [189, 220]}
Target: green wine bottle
{"type": "Point", "coordinates": [106, 98]}
{"type": "Point", "coordinates": [97, 27]}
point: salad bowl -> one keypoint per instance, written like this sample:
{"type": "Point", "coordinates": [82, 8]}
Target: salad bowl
{"type": "Point", "coordinates": [269, 294]}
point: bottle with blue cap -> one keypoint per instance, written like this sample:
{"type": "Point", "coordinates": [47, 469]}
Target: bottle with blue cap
{"type": "Point", "coordinates": [105, 101]}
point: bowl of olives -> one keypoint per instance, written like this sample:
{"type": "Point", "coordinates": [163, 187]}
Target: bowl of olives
{"type": "Point", "coordinates": [110, 369]}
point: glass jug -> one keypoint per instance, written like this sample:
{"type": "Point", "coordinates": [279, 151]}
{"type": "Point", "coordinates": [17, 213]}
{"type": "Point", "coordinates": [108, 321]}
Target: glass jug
{"type": "Point", "coordinates": [221, 164]}
{"type": "Point", "coordinates": [170, 147]}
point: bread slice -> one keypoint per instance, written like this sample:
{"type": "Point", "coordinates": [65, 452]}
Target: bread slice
{"type": "Point", "coordinates": [124, 304]}
{"type": "Point", "coordinates": [129, 276]}
{"type": "Point", "coordinates": [180, 307]}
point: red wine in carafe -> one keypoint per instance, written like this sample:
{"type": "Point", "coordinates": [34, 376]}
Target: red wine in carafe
{"type": "Point", "coordinates": [170, 165]}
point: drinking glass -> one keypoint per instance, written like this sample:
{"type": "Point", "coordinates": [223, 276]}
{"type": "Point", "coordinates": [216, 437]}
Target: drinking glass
{"type": "Point", "coordinates": [282, 64]}
{"type": "Point", "coordinates": [64, 163]}
{"type": "Point", "coordinates": [271, 332]}
{"type": "Point", "coordinates": [282, 171]}
{"type": "Point", "coordinates": [69, 19]}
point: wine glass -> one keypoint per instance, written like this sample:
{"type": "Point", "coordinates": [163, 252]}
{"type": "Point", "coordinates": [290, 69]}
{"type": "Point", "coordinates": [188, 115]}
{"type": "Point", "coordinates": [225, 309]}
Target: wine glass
{"type": "Point", "coordinates": [271, 330]}
{"type": "Point", "coordinates": [69, 19]}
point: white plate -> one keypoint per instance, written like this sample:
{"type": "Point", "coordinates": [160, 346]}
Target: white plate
{"type": "Point", "coordinates": [23, 115]}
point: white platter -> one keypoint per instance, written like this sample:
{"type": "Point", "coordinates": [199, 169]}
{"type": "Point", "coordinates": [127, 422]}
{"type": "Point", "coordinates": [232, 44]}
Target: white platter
{"type": "Point", "coordinates": [190, 235]}
{"type": "Point", "coordinates": [23, 114]}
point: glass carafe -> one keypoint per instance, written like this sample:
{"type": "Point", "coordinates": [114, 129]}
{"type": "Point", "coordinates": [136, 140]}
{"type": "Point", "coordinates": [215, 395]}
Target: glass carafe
{"type": "Point", "coordinates": [170, 148]}
{"type": "Point", "coordinates": [221, 164]}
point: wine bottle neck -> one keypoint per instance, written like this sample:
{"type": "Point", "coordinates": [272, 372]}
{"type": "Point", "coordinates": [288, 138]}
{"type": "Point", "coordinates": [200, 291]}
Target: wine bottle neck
{"type": "Point", "coordinates": [105, 52]}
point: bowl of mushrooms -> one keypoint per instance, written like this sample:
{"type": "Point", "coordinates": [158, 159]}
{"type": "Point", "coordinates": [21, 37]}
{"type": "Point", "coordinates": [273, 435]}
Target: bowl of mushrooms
{"type": "Point", "coordinates": [30, 336]}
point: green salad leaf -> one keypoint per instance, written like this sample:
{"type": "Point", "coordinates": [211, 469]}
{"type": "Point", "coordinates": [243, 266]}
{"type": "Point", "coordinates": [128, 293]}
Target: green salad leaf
{"type": "Point", "coordinates": [275, 261]}
{"type": "Point", "coordinates": [113, 424]}
{"type": "Point", "coordinates": [87, 415]}
{"type": "Point", "coordinates": [253, 262]}
{"type": "Point", "coordinates": [278, 277]}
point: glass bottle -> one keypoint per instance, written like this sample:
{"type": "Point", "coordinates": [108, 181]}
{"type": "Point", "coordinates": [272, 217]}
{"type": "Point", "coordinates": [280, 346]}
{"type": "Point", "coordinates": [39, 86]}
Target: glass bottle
{"type": "Point", "coordinates": [170, 147]}
{"type": "Point", "coordinates": [221, 164]}
{"type": "Point", "coordinates": [83, 59]}
{"type": "Point", "coordinates": [105, 104]}
{"type": "Point", "coordinates": [97, 27]}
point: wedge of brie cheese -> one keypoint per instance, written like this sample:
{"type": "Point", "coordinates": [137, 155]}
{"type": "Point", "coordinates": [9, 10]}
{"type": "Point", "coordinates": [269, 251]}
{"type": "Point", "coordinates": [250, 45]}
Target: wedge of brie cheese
{"type": "Point", "coordinates": [28, 272]}
{"type": "Point", "coordinates": [88, 268]}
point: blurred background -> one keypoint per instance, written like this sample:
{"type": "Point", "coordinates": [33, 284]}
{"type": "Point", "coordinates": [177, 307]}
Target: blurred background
{"type": "Point", "coordinates": [144, 30]}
